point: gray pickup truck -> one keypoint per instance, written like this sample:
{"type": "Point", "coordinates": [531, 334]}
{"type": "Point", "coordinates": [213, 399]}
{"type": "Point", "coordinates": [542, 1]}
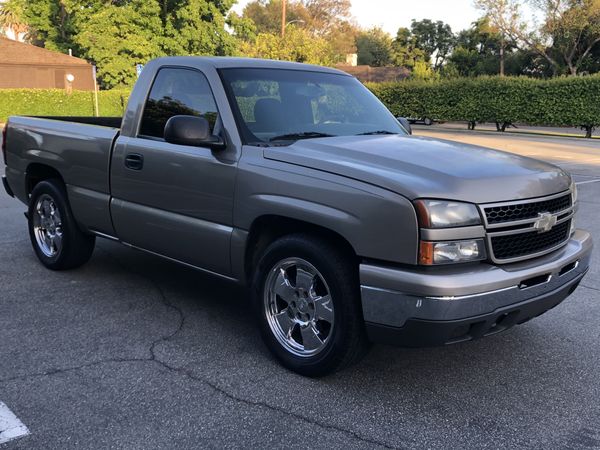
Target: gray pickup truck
{"type": "Point", "coordinates": [296, 181]}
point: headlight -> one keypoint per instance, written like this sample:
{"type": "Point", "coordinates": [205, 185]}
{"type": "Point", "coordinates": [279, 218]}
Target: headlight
{"type": "Point", "coordinates": [449, 252]}
{"type": "Point", "coordinates": [435, 214]}
{"type": "Point", "coordinates": [446, 214]}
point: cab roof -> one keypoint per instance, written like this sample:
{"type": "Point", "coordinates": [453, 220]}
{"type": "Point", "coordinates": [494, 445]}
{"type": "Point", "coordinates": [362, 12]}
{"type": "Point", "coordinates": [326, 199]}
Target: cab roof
{"type": "Point", "coordinates": [223, 62]}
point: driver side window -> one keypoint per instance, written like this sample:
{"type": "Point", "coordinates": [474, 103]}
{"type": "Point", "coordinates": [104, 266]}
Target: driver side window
{"type": "Point", "coordinates": [177, 91]}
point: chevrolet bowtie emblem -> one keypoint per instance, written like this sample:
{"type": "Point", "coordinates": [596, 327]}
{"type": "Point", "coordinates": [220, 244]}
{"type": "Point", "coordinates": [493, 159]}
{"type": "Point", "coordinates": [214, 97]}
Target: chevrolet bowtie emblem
{"type": "Point", "coordinates": [545, 222]}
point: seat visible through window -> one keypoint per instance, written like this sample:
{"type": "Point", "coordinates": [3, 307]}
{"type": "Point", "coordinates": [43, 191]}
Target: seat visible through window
{"type": "Point", "coordinates": [177, 91]}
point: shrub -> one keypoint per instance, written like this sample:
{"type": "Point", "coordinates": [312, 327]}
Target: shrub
{"type": "Point", "coordinates": [566, 101]}
{"type": "Point", "coordinates": [56, 102]}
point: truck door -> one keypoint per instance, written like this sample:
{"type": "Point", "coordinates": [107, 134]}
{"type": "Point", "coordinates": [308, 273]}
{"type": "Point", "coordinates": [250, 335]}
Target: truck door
{"type": "Point", "coordinates": [171, 199]}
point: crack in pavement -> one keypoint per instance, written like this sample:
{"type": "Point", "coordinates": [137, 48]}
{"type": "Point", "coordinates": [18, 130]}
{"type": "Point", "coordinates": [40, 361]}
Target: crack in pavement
{"type": "Point", "coordinates": [153, 358]}
{"type": "Point", "coordinates": [164, 300]}
{"type": "Point", "coordinates": [71, 369]}
{"type": "Point", "coordinates": [590, 287]}
{"type": "Point", "coordinates": [224, 392]}
{"type": "Point", "coordinates": [188, 373]}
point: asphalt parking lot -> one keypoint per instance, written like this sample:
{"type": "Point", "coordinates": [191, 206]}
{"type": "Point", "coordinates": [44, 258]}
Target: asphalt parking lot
{"type": "Point", "coordinates": [131, 351]}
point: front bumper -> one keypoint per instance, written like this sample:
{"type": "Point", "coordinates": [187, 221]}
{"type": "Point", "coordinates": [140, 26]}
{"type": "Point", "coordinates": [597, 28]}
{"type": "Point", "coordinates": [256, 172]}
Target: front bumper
{"type": "Point", "coordinates": [434, 306]}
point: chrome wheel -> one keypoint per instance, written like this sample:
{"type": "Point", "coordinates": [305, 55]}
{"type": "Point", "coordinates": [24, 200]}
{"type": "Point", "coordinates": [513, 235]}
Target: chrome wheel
{"type": "Point", "coordinates": [298, 307]}
{"type": "Point", "coordinates": [47, 226]}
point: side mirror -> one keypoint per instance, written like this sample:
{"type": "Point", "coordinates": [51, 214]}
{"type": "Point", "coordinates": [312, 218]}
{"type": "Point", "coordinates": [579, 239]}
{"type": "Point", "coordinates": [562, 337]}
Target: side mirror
{"type": "Point", "coordinates": [193, 131]}
{"type": "Point", "coordinates": [405, 124]}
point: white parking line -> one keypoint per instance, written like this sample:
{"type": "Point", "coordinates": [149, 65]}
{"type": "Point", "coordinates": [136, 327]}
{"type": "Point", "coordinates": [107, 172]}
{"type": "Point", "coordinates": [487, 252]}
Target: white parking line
{"type": "Point", "coordinates": [587, 182]}
{"type": "Point", "coordinates": [10, 425]}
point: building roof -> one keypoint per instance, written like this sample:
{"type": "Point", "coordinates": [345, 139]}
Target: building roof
{"type": "Point", "coordinates": [14, 52]}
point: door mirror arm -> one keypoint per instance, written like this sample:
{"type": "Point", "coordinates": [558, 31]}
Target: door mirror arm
{"type": "Point", "coordinates": [405, 124]}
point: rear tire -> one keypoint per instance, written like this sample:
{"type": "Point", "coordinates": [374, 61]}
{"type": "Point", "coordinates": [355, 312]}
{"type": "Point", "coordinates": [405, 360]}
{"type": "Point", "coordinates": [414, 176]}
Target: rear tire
{"type": "Point", "coordinates": [56, 239]}
{"type": "Point", "coordinates": [427, 121]}
{"type": "Point", "coordinates": [306, 297]}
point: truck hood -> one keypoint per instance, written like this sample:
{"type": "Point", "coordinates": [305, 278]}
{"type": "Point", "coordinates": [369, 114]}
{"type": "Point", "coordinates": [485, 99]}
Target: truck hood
{"type": "Point", "coordinates": [421, 167]}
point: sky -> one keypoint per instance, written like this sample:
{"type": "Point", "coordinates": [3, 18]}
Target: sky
{"type": "Point", "coordinates": [393, 14]}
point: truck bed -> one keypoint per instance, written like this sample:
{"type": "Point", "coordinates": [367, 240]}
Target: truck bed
{"type": "Point", "coordinates": [77, 148]}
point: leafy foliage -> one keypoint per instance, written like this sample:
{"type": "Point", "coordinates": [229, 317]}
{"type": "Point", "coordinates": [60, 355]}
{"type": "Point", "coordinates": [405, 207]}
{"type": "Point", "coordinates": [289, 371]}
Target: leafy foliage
{"type": "Point", "coordinates": [119, 34]}
{"type": "Point", "coordinates": [435, 39]}
{"type": "Point", "coordinates": [569, 32]}
{"type": "Point", "coordinates": [56, 102]}
{"type": "Point", "coordinates": [12, 16]}
{"type": "Point", "coordinates": [406, 52]}
{"type": "Point", "coordinates": [573, 101]}
{"type": "Point", "coordinates": [266, 15]}
{"type": "Point", "coordinates": [119, 37]}
{"type": "Point", "coordinates": [298, 45]}
{"type": "Point", "coordinates": [374, 48]}
{"type": "Point", "coordinates": [327, 19]}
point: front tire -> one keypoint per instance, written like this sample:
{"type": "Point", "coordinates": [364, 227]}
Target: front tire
{"type": "Point", "coordinates": [307, 299]}
{"type": "Point", "coordinates": [56, 239]}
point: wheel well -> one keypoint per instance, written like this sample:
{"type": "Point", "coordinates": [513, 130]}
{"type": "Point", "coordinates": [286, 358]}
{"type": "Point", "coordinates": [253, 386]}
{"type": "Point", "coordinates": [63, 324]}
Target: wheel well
{"type": "Point", "coordinates": [40, 172]}
{"type": "Point", "coordinates": [267, 229]}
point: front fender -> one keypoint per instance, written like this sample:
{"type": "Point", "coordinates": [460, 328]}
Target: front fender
{"type": "Point", "coordinates": [378, 223]}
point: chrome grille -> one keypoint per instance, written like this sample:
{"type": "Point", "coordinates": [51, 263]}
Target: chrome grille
{"type": "Point", "coordinates": [521, 211]}
{"type": "Point", "coordinates": [515, 245]}
{"type": "Point", "coordinates": [511, 227]}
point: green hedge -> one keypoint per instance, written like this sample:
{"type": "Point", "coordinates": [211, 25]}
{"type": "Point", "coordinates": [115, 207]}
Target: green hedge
{"type": "Point", "coordinates": [569, 101]}
{"type": "Point", "coordinates": [56, 102]}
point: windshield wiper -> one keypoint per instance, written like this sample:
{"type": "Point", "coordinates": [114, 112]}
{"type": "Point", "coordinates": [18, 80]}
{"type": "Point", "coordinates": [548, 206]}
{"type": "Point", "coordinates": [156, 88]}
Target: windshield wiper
{"type": "Point", "coordinates": [369, 133]}
{"type": "Point", "coordinates": [300, 135]}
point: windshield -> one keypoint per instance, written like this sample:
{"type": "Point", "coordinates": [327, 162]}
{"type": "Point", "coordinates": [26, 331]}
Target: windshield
{"type": "Point", "coordinates": [280, 106]}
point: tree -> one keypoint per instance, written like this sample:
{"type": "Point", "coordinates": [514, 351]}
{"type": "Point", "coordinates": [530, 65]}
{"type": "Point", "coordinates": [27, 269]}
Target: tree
{"type": "Point", "coordinates": [374, 48]}
{"type": "Point", "coordinates": [434, 38]}
{"type": "Point", "coordinates": [405, 50]}
{"type": "Point", "coordinates": [52, 22]}
{"type": "Point", "coordinates": [329, 19]}
{"type": "Point", "coordinates": [12, 17]}
{"type": "Point", "coordinates": [197, 27]}
{"type": "Point", "coordinates": [423, 71]}
{"type": "Point", "coordinates": [298, 45]}
{"type": "Point", "coordinates": [266, 14]}
{"type": "Point", "coordinates": [117, 34]}
{"type": "Point", "coordinates": [117, 38]}
{"type": "Point", "coordinates": [479, 50]}
{"type": "Point", "coordinates": [342, 40]}
{"type": "Point", "coordinates": [569, 33]}
{"type": "Point", "coordinates": [327, 15]}
{"type": "Point", "coordinates": [574, 27]}
{"type": "Point", "coordinates": [244, 28]}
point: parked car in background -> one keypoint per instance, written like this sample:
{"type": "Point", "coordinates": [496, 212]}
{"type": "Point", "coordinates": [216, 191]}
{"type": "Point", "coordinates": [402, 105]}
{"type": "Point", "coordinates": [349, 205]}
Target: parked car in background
{"type": "Point", "coordinates": [422, 120]}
